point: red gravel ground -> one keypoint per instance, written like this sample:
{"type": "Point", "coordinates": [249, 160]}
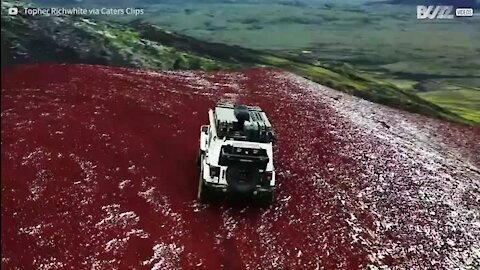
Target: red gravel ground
{"type": "Point", "coordinates": [98, 172]}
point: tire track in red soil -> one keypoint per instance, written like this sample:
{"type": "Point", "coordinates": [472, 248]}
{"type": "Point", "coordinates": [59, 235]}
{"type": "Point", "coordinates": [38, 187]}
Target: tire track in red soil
{"type": "Point", "coordinates": [98, 172]}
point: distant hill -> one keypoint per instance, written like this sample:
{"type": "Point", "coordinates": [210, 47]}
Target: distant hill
{"type": "Point", "coordinates": [457, 3]}
{"type": "Point", "coordinates": [76, 39]}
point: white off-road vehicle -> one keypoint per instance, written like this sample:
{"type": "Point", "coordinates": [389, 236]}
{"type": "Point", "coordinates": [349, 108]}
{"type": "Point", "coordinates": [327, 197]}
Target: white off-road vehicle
{"type": "Point", "coordinates": [236, 155]}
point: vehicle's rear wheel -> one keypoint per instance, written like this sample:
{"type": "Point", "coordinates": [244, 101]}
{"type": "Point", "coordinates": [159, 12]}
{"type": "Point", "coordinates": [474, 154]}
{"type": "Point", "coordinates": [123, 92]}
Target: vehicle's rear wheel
{"type": "Point", "coordinates": [199, 158]}
{"type": "Point", "coordinates": [203, 191]}
{"type": "Point", "coordinates": [266, 198]}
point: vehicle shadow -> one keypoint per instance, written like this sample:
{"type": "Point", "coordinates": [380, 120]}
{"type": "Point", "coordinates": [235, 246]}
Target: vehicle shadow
{"type": "Point", "coordinates": [237, 202]}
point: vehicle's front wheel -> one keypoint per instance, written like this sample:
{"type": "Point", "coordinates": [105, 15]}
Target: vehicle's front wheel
{"type": "Point", "coordinates": [199, 158]}
{"type": "Point", "coordinates": [203, 194]}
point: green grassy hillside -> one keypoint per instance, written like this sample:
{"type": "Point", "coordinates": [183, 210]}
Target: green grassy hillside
{"type": "Point", "coordinates": [464, 101]}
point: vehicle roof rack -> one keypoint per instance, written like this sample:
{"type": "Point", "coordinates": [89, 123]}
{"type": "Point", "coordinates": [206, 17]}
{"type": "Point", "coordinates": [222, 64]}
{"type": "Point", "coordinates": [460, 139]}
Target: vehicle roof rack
{"type": "Point", "coordinates": [243, 123]}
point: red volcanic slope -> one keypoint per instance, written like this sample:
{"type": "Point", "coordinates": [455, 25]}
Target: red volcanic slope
{"type": "Point", "coordinates": [98, 172]}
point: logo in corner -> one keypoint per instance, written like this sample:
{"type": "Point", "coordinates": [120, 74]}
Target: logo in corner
{"type": "Point", "coordinates": [435, 12]}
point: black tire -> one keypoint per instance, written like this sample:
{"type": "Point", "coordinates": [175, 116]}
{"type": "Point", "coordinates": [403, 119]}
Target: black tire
{"type": "Point", "coordinates": [204, 193]}
{"type": "Point", "coordinates": [199, 158]}
{"type": "Point", "coordinates": [266, 199]}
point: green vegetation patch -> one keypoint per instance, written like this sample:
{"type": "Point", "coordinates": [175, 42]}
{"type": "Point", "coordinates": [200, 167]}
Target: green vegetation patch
{"type": "Point", "coordinates": [462, 101]}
